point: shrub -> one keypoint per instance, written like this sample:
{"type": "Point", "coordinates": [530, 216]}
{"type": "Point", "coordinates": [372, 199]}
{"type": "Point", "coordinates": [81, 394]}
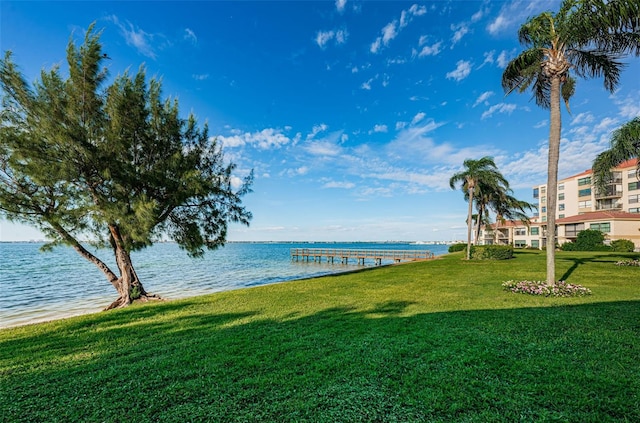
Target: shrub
{"type": "Point", "coordinates": [590, 240]}
{"type": "Point", "coordinates": [622, 246]}
{"type": "Point", "coordinates": [568, 246]}
{"type": "Point", "coordinates": [557, 289]}
{"type": "Point", "coordinates": [457, 247]}
{"type": "Point", "coordinates": [491, 252]}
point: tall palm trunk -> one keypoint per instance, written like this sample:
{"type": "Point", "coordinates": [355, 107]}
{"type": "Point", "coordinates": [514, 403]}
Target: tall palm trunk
{"type": "Point", "coordinates": [470, 219]}
{"type": "Point", "coordinates": [552, 176]}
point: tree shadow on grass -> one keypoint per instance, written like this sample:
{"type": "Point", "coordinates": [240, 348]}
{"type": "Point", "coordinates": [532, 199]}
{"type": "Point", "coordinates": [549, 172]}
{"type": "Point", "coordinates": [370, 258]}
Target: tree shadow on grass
{"type": "Point", "coordinates": [337, 364]}
{"type": "Point", "coordinates": [608, 258]}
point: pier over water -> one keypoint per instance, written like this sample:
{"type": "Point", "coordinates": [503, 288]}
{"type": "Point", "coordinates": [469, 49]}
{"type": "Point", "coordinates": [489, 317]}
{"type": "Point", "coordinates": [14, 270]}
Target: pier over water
{"type": "Point", "coordinates": [344, 255]}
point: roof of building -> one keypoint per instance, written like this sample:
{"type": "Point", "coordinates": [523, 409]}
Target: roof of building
{"type": "Point", "coordinates": [599, 215]}
{"type": "Point", "coordinates": [510, 224]}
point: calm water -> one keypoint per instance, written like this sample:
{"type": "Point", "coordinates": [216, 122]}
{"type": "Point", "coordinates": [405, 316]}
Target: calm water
{"type": "Point", "coordinates": [39, 286]}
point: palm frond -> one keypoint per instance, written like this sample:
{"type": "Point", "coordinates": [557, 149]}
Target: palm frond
{"type": "Point", "coordinates": [522, 71]}
{"type": "Point", "coordinates": [625, 145]}
{"type": "Point", "coordinates": [595, 63]}
{"type": "Point", "coordinates": [567, 90]}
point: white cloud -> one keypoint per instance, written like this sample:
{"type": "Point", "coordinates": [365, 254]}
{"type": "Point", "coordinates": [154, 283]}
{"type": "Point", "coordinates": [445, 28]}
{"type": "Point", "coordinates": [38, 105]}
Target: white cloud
{"type": "Point", "coordinates": [483, 98]}
{"type": "Point", "coordinates": [339, 36]}
{"type": "Point", "coordinates": [392, 29]}
{"type": "Point", "coordinates": [418, 117]}
{"type": "Point", "coordinates": [629, 107]}
{"type": "Point", "coordinates": [335, 184]}
{"type": "Point", "coordinates": [503, 58]}
{"type": "Point", "coordinates": [266, 139]}
{"type": "Point", "coordinates": [516, 12]}
{"type": "Point", "coordinates": [316, 130]}
{"type": "Point", "coordinates": [200, 77]}
{"type": "Point", "coordinates": [606, 125]}
{"type": "Point", "coordinates": [582, 118]}
{"type": "Point", "coordinates": [190, 36]}
{"type": "Point", "coordinates": [460, 31]}
{"type": "Point", "coordinates": [380, 128]}
{"type": "Point", "coordinates": [488, 57]}
{"type": "Point", "coordinates": [431, 50]}
{"type": "Point", "coordinates": [499, 108]}
{"type": "Point", "coordinates": [340, 5]}
{"type": "Point", "coordinates": [462, 70]}
{"type": "Point", "coordinates": [322, 148]}
{"type": "Point", "coordinates": [478, 15]}
{"type": "Point", "coordinates": [375, 46]}
{"type": "Point", "coordinates": [136, 37]}
{"type": "Point", "coordinates": [367, 85]}
{"type": "Point", "coordinates": [541, 124]}
{"type": "Point", "coordinates": [389, 33]}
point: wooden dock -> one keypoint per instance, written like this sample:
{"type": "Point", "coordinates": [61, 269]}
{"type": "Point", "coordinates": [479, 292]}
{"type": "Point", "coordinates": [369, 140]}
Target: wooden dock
{"type": "Point", "coordinates": [331, 254]}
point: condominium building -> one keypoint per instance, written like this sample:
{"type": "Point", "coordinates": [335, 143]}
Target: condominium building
{"type": "Point", "coordinates": [614, 210]}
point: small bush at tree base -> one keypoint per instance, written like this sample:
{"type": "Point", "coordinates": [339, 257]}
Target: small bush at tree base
{"type": "Point", "coordinates": [457, 247]}
{"type": "Point", "coordinates": [558, 289]}
{"type": "Point", "coordinates": [491, 252]}
{"type": "Point", "coordinates": [622, 246]}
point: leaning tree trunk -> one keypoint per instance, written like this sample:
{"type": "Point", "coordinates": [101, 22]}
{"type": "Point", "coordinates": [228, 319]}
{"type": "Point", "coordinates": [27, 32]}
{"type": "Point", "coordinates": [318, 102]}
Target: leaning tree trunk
{"type": "Point", "coordinates": [552, 177]}
{"type": "Point", "coordinates": [128, 284]}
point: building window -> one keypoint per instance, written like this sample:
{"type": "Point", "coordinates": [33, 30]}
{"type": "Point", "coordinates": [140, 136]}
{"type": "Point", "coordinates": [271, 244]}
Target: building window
{"type": "Point", "coordinates": [571, 231]}
{"type": "Point", "coordinates": [634, 185]}
{"type": "Point", "coordinates": [561, 206]}
{"type": "Point", "coordinates": [584, 181]}
{"type": "Point", "coordinates": [535, 230]}
{"type": "Point", "coordinates": [544, 209]}
{"type": "Point", "coordinates": [535, 243]}
{"type": "Point", "coordinates": [634, 210]}
{"type": "Point", "coordinates": [520, 232]}
{"type": "Point", "coordinates": [536, 193]}
{"type": "Point", "coordinates": [543, 190]}
{"type": "Point", "coordinates": [585, 192]}
{"type": "Point", "coordinates": [632, 174]}
{"type": "Point", "coordinates": [561, 187]}
{"type": "Point", "coordinates": [544, 218]}
{"type": "Point", "coordinates": [543, 200]}
{"type": "Point", "coordinates": [560, 216]}
{"type": "Point", "coordinates": [561, 196]}
{"type": "Point", "coordinates": [519, 243]}
{"type": "Point", "coordinates": [584, 204]}
{"type": "Point", "coordinates": [634, 199]}
{"type": "Point", "coordinates": [602, 227]}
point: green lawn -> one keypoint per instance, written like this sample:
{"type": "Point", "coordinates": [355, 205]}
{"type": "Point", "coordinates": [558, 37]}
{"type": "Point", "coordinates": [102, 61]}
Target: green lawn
{"type": "Point", "coordinates": [435, 341]}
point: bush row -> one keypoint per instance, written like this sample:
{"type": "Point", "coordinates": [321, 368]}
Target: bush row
{"type": "Point", "coordinates": [491, 252]}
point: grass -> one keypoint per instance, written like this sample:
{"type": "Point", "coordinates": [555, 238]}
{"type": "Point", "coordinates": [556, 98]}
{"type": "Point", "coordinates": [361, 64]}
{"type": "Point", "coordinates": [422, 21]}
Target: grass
{"type": "Point", "coordinates": [437, 341]}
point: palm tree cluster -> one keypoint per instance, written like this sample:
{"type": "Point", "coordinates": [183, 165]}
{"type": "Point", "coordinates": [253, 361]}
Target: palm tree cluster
{"type": "Point", "coordinates": [486, 188]}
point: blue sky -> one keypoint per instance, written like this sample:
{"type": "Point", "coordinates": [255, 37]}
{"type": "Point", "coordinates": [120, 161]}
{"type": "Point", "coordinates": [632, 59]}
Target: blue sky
{"type": "Point", "coordinates": [353, 115]}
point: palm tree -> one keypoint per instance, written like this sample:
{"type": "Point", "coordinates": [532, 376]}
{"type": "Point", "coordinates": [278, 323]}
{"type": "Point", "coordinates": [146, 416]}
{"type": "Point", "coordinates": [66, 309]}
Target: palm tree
{"type": "Point", "coordinates": [496, 196]}
{"type": "Point", "coordinates": [586, 38]}
{"type": "Point", "coordinates": [484, 171]}
{"type": "Point", "coordinates": [625, 145]}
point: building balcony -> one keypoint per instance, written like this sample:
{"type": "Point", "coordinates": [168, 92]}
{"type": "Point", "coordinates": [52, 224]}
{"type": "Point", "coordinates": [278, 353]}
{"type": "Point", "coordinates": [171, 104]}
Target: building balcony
{"type": "Point", "coordinates": [608, 194]}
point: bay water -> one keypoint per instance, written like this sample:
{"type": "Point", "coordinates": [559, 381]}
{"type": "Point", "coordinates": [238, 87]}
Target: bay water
{"type": "Point", "coordinates": [40, 286]}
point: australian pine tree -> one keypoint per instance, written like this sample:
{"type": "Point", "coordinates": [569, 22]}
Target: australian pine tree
{"type": "Point", "coordinates": [117, 164]}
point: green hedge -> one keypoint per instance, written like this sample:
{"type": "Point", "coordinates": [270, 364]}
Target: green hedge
{"type": "Point", "coordinates": [622, 246]}
{"type": "Point", "coordinates": [491, 252]}
{"type": "Point", "coordinates": [457, 247]}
